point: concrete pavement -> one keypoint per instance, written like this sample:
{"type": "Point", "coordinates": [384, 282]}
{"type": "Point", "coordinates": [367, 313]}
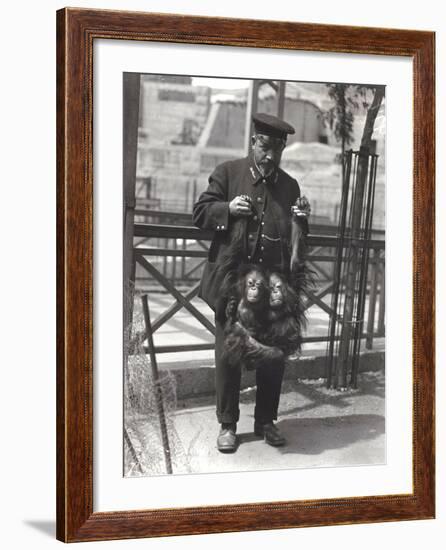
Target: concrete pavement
{"type": "Point", "coordinates": [323, 428]}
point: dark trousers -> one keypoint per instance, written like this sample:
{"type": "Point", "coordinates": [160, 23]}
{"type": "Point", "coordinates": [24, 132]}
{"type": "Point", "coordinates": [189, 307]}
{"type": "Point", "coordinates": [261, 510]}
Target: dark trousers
{"type": "Point", "coordinates": [227, 386]}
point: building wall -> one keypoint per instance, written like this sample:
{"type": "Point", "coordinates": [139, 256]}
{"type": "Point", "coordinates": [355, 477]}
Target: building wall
{"type": "Point", "coordinates": [318, 170]}
{"type": "Point", "coordinates": [177, 173]}
{"type": "Point", "coordinates": [167, 107]}
{"type": "Point", "coordinates": [228, 129]}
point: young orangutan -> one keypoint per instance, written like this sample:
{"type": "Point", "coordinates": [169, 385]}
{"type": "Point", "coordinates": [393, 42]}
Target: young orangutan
{"type": "Point", "coordinates": [247, 319]}
{"type": "Point", "coordinates": [285, 316]}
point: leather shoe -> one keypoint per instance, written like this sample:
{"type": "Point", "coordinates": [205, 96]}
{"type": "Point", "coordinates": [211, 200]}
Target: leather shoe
{"type": "Point", "coordinates": [227, 440]}
{"type": "Point", "coordinates": [270, 432]}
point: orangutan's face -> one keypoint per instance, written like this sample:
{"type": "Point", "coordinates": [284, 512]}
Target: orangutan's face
{"type": "Point", "coordinates": [276, 289]}
{"type": "Point", "coordinates": [256, 287]}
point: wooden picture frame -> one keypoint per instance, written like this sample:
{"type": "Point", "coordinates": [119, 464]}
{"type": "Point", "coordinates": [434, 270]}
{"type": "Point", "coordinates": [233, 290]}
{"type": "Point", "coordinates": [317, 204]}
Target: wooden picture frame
{"type": "Point", "coordinates": [76, 31]}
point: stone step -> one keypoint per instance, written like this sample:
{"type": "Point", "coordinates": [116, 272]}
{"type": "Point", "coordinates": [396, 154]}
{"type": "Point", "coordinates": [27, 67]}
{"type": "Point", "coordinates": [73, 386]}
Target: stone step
{"type": "Point", "coordinates": [196, 377]}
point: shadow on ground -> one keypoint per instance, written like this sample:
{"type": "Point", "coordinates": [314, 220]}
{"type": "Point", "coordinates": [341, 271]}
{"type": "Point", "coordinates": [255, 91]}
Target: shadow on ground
{"type": "Point", "coordinates": [314, 436]}
{"type": "Point", "coordinates": [47, 527]}
{"type": "Point", "coordinates": [314, 394]}
{"type": "Point", "coordinates": [323, 428]}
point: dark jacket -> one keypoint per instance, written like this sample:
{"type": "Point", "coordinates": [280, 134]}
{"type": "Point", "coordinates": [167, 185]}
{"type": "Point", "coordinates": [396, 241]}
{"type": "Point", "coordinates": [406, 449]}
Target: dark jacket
{"type": "Point", "coordinates": [272, 199]}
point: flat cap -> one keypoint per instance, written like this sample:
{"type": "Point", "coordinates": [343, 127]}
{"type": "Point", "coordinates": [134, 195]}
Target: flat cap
{"type": "Point", "coordinates": [270, 125]}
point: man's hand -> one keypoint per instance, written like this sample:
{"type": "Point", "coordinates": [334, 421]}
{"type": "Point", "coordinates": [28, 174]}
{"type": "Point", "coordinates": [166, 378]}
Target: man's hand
{"type": "Point", "coordinates": [240, 206]}
{"type": "Point", "coordinates": [302, 207]}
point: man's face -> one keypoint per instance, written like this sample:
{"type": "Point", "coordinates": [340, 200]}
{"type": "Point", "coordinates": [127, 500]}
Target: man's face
{"type": "Point", "coordinates": [267, 151]}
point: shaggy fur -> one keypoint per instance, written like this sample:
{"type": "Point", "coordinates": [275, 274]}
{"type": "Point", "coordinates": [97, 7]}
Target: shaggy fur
{"type": "Point", "coordinates": [286, 317]}
{"type": "Point", "coordinates": [247, 321]}
{"type": "Point", "coordinates": [265, 332]}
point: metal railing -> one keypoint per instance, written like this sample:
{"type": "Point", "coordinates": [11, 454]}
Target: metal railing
{"type": "Point", "coordinates": [164, 264]}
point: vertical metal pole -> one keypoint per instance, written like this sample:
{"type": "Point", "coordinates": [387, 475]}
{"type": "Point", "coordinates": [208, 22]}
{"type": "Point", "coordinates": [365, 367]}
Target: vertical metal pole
{"type": "Point", "coordinates": [194, 192]}
{"type": "Point", "coordinates": [158, 390]}
{"type": "Point", "coordinates": [382, 298]}
{"type": "Point", "coordinates": [338, 265]}
{"type": "Point", "coordinates": [281, 99]}
{"type": "Point", "coordinates": [131, 99]}
{"type": "Point", "coordinates": [352, 270]}
{"type": "Point", "coordinates": [174, 262]}
{"type": "Point", "coordinates": [346, 264]}
{"type": "Point", "coordinates": [372, 301]}
{"type": "Point", "coordinates": [183, 260]}
{"type": "Point", "coordinates": [367, 232]}
{"type": "Point", "coordinates": [131, 102]}
{"type": "Point", "coordinates": [166, 246]}
{"type": "Point", "coordinates": [187, 196]}
{"type": "Point", "coordinates": [251, 108]}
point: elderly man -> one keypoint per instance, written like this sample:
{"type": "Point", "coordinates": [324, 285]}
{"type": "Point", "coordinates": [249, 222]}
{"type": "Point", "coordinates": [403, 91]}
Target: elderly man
{"type": "Point", "coordinates": [266, 219]}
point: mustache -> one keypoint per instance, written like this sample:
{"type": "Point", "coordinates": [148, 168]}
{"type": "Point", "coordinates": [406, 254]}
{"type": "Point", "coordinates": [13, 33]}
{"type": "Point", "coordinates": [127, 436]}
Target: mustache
{"type": "Point", "coordinates": [267, 161]}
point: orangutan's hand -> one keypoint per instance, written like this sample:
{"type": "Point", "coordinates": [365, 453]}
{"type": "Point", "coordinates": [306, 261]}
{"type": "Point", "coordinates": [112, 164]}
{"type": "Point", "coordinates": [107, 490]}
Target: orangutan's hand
{"type": "Point", "coordinates": [231, 308]}
{"type": "Point", "coordinates": [302, 207]}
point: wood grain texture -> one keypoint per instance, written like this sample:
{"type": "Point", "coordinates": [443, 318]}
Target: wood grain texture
{"type": "Point", "coordinates": [76, 31]}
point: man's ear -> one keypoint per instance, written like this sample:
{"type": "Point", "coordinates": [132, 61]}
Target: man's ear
{"type": "Point", "coordinates": [253, 140]}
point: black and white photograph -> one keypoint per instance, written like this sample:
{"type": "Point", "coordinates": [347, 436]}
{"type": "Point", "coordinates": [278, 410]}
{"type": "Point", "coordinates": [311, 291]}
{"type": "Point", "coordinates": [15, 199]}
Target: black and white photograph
{"type": "Point", "coordinates": [223, 233]}
{"type": "Point", "coordinates": [254, 274]}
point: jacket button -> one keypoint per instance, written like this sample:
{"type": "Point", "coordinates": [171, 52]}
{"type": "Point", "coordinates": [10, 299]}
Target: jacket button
{"type": "Point", "coordinates": [260, 260]}
{"type": "Point", "coordinates": [255, 218]}
{"type": "Point", "coordinates": [222, 226]}
{"type": "Point", "coordinates": [259, 199]}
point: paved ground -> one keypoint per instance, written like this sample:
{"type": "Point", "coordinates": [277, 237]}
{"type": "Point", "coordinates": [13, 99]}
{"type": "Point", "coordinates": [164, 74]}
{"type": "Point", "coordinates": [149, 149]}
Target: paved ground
{"type": "Point", "coordinates": [323, 428]}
